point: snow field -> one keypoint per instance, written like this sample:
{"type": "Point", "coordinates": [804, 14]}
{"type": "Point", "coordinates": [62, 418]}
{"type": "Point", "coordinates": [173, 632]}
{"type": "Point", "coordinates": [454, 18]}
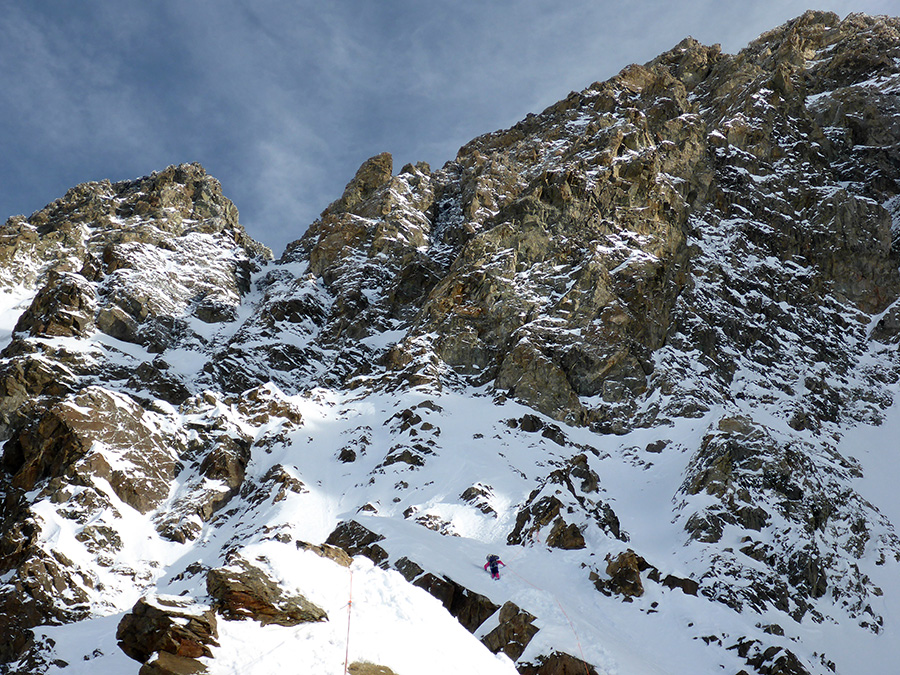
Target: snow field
{"type": "Point", "coordinates": [391, 623]}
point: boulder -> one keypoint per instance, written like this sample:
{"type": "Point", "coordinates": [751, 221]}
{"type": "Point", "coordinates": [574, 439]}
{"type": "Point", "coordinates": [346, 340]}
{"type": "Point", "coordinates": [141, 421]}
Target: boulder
{"type": "Point", "coordinates": [686, 586]}
{"type": "Point", "coordinates": [542, 510]}
{"type": "Point", "coordinates": [333, 553]}
{"type": "Point", "coordinates": [265, 403]}
{"type": "Point", "coordinates": [365, 668]}
{"type": "Point", "coordinates": [769, 659]}
{"type": "Point", "coordinates": [242, 591]}
{"type": "Point", "coordinates": [160, 381]}
{"type": "Point", "coordinates": [479, 496]}
{"type": "Point", "coordinates": [408, 568]}
{"type": "Point", "coordinates": [277, 484]}
{"type": "Point", "coordinates": [357, 539]}
{"type": "Point", "coordinates": [625, 574]}
{"type": "Point", "coordinates": [171, 624]}
{"type": "Point", "coordinates": [165, 663]}
{"type": "Point", "coordinates": [117, 323]}
{"type": "Point", "coordinates": [514, 632]}
{"type": "Point", "coordinates": [226, 461]}
{"type": "Point", "coordinates": [565, 536]}
{"type": "Point", "coordinates": [556, 663]}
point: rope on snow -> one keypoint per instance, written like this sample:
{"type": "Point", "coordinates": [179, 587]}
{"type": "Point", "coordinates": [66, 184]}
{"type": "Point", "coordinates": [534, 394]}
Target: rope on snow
{"type": "Point", "coordinates": [349, 612]}
{"type": "Point", "coordinates": [571, 625]}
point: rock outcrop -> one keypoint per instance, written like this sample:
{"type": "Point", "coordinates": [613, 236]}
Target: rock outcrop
{"type": "Point", "coordinates": [364, 668]}
{"type": "Point", "coordinates": [79, 436]}
{"type": "Point", "coordinates": [557, 663]}
{"type": "Point", "coordinates": [513, 633]}
{"type": "Point", "coordinates": [242, 591]}
{"type": "Point", "coordinates": [138, 261]}
{"type": "Point", "coordinates": [172, 626]}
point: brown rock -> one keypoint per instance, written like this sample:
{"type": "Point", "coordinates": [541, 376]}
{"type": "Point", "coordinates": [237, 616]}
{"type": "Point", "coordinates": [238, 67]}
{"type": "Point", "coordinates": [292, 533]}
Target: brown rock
{"type": "Point", "coordinates": [334, 553]}
{"type": "Point", "coordinates": [469, 608]}
{"type": "Point", "coordinates": [687, 586]}
{"type": "Point", "coordinates": [176, 626]}
{"type": "Point", "coordinates": [479, 496]}
{"type": "Point", "coordinates": [117, 323]}
{"type": "Point", "coordinates": [373, 174]}
{"type": "Point", "coordinates": [515, 631]}
{"type": "Point", "coordinates": [625, 573]}
{"type": "Point", "coordinates": [242, 591]}
{"type": "Point", "coordinates": [357, 539]}
{"type": "Point", "coordinates": [64, 307]}
{"type": "Point", "coordinates": [535, 515]}
{"type": "Point", "coordinates": [27, 382]}
{"type": "Point", "coordinates": [162, 383]}
{"type": "Point", "coordinates": [556, 663]}
{"type": "Point", "coordinates": [565, 536]}
{"type": "Point", "coordinates": [18, 615]}
{"type": "Point", "coordinates": [530, 375]}
{"type": "Point", "coordinates": [227, 461]}
{"type": "Point", "coordinates": [66, 434]}
{"type": "Point", "coordinates": [408, 568]}
{"type": "Point", "coordinates": [365, 668]}
{"type": "Point", "coordinates": [262, 403]}
{"type": "Point", "coordinates": [165, 663]}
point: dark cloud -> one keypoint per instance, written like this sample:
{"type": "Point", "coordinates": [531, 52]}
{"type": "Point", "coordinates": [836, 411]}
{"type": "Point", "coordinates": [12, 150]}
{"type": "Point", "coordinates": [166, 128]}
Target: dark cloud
{"type": "Point", "coordinates": [282, 100]}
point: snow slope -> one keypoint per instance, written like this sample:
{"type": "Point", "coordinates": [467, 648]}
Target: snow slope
{"type": "Point", "coordinates": [404, 628]}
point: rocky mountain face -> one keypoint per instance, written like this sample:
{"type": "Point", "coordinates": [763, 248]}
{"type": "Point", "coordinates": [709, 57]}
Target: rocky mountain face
{"type": "Point", "coordinates": [682, 282]}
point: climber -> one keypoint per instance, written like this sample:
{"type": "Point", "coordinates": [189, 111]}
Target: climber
{"type": "Point", "coordinates": [493, 561]}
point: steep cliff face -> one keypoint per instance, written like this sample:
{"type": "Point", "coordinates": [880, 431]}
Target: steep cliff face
{"type": "Point", "coordinates": [643, 327]}
{"type": "Point", "coordinates": [117, 273]}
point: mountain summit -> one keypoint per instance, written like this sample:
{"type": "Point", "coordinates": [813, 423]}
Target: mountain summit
{"type": "Point", "coordinates": [644, 346]}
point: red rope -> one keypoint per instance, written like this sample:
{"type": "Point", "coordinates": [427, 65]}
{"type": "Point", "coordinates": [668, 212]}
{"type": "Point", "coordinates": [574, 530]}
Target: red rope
{"type": "Point", "coordinates": [575, 633]}
{"type": "Point", "coordinates": [349, 610]}
{"type": "Point", "coordinates": [571, 625]}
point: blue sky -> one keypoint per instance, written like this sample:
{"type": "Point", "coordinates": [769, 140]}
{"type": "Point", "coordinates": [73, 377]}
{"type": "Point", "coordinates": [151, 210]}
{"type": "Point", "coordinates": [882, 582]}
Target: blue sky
{"type": "Point", "coordinates": [283, 100]}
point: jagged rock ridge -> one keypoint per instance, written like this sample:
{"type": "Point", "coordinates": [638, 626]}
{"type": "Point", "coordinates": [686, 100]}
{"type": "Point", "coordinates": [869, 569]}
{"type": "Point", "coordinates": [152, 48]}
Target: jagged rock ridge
{"type": "Point", "coordinates": [689, 273]}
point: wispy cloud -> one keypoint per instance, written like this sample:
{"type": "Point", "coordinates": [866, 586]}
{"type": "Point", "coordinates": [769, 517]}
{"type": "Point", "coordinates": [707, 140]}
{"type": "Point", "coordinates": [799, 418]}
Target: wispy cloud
{"type": "Point", "coordinates": [282, 100]}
